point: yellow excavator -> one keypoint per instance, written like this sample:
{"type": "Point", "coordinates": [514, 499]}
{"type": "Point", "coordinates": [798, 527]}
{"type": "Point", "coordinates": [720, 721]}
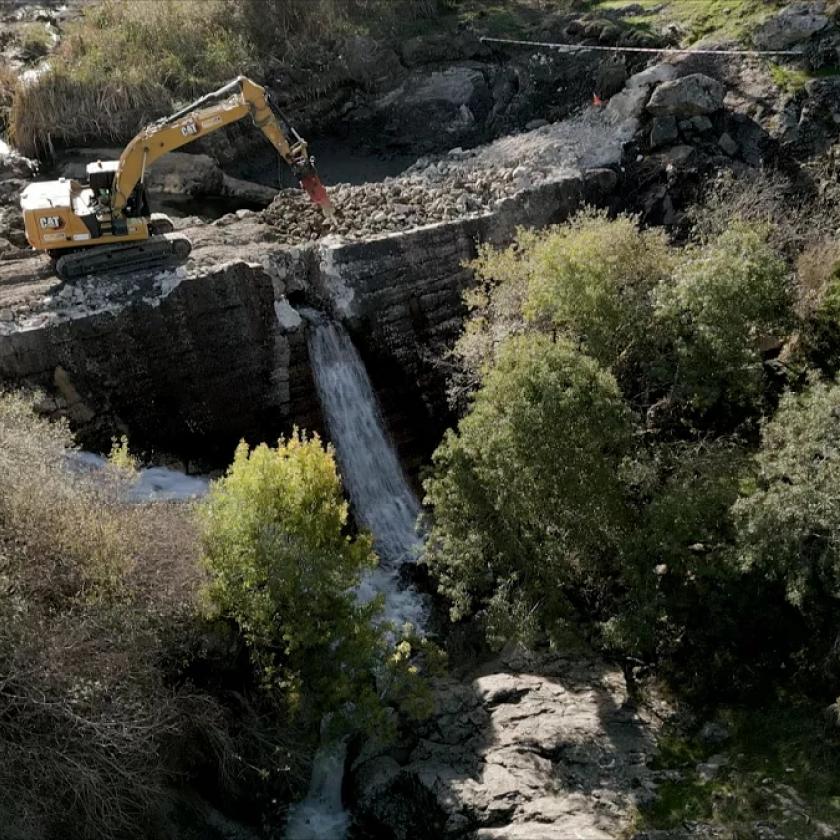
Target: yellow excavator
{"type": "Point", "coordinates": [106, 224]}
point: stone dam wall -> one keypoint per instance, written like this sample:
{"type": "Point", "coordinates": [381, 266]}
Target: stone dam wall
{"type": "Point", "coordinates": [188, 362]}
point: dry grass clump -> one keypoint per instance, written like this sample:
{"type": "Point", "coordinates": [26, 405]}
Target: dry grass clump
{"type": "Point", "coordinates": [124, 64]}
{"type": "Point", "coordinates": [817, 270]}
{"type": "Point", "coordinates": [764, 197]}
{"type": "Point", "coordinates": [88, 587]}
{"type": "Point", "coordinates": [35, 40]}
{"type": "Point", "coordinates": [58, 109]}
{"type": "Point", "coordinates": [8, 85]}
{"type": "Point", "coordinates": [87, 540]}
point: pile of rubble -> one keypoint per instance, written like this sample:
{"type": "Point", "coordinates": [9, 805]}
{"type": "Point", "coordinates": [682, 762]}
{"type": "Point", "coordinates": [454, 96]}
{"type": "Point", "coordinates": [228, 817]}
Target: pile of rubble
{"type": "Point", "coordinates": [441, 193]}
{"type": "Point", "coordinates": [454, 186]}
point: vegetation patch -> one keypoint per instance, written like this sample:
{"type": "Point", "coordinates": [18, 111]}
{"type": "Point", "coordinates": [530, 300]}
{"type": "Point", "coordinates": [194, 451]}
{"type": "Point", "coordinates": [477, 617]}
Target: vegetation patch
{"type": "Point", "coordinates": [283, 568]}
{"type": "Point", "coordinates": [793, 79]}
{"type": "Point", "coordinates": [781, 765]}
{"type": "Point", "coordinates": [124, 64]}
{"type": "Point", "coordinates": [698, 19]}
{"type": "Point", "coordinates": [122, 674]}
{"type": "Point", "coordinates": [87, 586]}
{"type": "Point", "coordinates": [694, 19]}
{"type": "Point", "coordinates": [597, 349]}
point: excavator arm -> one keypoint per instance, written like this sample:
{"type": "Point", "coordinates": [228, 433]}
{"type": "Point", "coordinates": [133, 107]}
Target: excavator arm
{"type": "Point", "coordinates": [235, 101]}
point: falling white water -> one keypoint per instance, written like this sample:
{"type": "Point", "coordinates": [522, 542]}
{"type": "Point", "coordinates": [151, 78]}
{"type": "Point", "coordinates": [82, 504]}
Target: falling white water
{"type": "Point", "coordinates": [384, 504]}
{"type": "Point", "coordinates": [382, 499]}
{"type": "Point", "coordinates": [321, 816]}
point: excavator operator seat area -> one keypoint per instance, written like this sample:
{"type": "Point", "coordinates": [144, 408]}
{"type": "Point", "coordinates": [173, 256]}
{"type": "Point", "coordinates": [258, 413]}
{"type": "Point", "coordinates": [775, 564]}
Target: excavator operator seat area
{"type": "Point", "coordinates": [63, 214]}
{"type": "Point", "coordinates": [101, 175]}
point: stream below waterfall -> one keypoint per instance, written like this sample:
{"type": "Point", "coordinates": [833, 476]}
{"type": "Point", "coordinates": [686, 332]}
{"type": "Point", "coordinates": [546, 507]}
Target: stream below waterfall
{"type": "Point", "coordinates": [382, 502]}
{"type": "Point", "coordinates": [151, 484]}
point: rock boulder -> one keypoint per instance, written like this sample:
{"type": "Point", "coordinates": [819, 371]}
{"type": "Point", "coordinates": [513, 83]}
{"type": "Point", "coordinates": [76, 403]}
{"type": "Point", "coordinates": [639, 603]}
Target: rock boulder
{"type": "Point", "coordinates": [690, 96]}
{"type": "Point", "coordinates": [791, 27]}
{"type": "Point", "coordinates": [368, 62]}
{"type": "Point", "coordinates": [453, 102]}
{"type": "Point", "coordinates": [531, 747]}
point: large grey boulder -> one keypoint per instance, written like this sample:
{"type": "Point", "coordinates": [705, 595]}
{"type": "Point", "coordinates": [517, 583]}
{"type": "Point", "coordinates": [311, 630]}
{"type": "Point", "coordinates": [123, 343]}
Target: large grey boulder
{"type": "Point", "coordinates": [630, 102]}
{"type": "Point", "coordinates": [177, 173]}
{"type": "Point", "coordinates": [454, 86]}
{"type": "Point", "coordinates": [690, 96]}
{"type": "Point", "coordinates": [530, 748]}
{"type": "Point", "coordinates": [453, 102]}
{"type": "Point", "coordinates": [792, 26]}
{"type": "Point", "coordinates": [368, 62]}
{"type": "Point", "coordinates": [818, 124]}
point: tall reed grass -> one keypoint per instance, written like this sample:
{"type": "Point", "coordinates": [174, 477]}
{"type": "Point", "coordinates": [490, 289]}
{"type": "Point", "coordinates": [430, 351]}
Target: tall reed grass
{"type": "Point", "coordinates": [124, 64]}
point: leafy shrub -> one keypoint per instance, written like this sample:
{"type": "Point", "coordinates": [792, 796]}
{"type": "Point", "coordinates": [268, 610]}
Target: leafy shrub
{"type": "Point", "coordinates": [592, 280]}
{"type": "Point", "coordinates": [677, 552]}
{"type": "Point", "coordinates": [283, 568]}
{"type": "Point", "coordinates": [818, 275]}
{"type": "Point", "coordinates": [685, 602]}
{"type": "Point", "coordinates": [726, 297]}
{"type": "Point", "coordinates": [789, 525]}
{"type": "Point", "coordinates": [120, 456]}
{"type": "Point", "coordinates": [550, 503]}
{"type": "Point", "coordinates": [677, 327]}
{"type": "Point", "coordinates": [525, 502]}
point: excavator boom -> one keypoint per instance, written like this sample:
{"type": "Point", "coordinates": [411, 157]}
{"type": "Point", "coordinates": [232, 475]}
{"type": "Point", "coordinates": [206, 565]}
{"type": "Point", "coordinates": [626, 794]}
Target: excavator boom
{"type": "Point", "coordinates": [87, 227]}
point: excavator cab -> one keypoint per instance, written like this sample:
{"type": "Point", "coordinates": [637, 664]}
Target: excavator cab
{"type": "Point", "coordinates": [101, 175]}
{"type": "Point", "coordinates": [64, 215]}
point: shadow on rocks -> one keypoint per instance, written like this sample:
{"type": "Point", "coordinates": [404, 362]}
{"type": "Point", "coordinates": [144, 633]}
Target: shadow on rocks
{"type": "Point", "coordinates": [529, 746]}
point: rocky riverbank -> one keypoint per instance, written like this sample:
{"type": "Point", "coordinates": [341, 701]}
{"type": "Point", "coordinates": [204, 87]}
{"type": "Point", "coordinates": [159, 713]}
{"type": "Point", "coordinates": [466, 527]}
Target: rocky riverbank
{"type": "Point", "coordinates": [531, 747]}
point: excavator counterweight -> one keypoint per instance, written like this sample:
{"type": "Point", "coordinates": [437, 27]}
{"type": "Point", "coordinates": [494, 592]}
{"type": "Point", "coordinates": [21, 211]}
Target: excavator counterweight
{"type": "Point", "coordinates": [105, 224]}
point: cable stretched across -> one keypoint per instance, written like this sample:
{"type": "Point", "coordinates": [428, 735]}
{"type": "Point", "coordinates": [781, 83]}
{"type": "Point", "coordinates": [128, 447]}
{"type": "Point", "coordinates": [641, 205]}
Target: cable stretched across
{"type": "Point", "coordinates": [652, 50]}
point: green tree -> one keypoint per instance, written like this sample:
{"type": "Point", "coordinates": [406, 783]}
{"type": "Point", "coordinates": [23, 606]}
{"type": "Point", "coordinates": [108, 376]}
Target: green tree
{"type": "Point", "coordinates": [526, 504]}
{"type": "Point", "coordinates": [685, 604]}
{"type": "Point", "coordinates": [591, 280]}
{"type": "Point", "coordinates": [789, 525]}
{"type": "Point", "coordinates": [727, 295]}
{"type": "Point", "coordinates": [283, 568]}
{"type": "Point", "coordinates": [818, 275]}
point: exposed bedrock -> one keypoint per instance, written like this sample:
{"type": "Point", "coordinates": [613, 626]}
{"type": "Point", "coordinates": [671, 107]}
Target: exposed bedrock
{"type": "Point", "coordinates": [187, 361]}
{"type": "Point", "coordinates": [188, 369]}
{"type": "Point", "coordinates": [531, 747]}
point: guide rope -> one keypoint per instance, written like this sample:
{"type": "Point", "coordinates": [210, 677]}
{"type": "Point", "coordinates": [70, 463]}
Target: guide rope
{"type": "Point", "coordinates": [652, 50]}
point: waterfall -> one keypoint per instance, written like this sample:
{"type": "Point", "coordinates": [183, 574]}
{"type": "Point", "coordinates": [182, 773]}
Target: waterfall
{"type": "Point", "coordinates": [382, 499]}
{"type": "Point", "coordinates": [321, 816]}
{"type": "Point", "coordinates": [384, 504]}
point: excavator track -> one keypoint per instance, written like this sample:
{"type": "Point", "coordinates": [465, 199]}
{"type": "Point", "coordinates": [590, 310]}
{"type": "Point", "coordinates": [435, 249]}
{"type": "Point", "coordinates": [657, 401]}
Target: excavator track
{"type": "Point", "coordinates": [132, 256]}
